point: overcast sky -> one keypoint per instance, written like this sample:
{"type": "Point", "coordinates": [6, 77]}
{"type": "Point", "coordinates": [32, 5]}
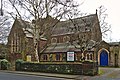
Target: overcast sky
{"type": "Point", "coordinates": [113, 11]}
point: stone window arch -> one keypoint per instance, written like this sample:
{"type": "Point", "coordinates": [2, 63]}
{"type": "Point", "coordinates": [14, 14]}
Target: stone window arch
{"type": "Point", "coordinates": [54, 40]}
{"type": "Point", "coordinates": [66, 39]}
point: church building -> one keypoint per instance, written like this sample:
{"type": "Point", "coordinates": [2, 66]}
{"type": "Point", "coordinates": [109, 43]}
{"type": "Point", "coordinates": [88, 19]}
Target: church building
{"type": "Point", "coordinates": [73, 40]}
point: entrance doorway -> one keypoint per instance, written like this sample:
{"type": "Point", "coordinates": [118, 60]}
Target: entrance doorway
{"type": "Point", "coordinates": [103, 58]}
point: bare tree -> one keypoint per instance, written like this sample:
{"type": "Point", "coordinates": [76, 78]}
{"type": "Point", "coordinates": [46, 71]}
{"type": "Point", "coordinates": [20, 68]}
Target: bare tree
{"type": "Point", "coordinates": [81, 37]}
{"type": "Point", "coordinates": [5, 20]}
{"type": "Point", "coordinates": [105, 26]}
{"type": "Point", "coordinates": [39, 12]}
{"type": "Point", "coordinates": [4, 29]}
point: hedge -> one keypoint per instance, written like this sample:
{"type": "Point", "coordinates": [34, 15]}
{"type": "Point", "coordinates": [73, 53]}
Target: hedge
{"type": "Point", "coordinates": [90, 68]}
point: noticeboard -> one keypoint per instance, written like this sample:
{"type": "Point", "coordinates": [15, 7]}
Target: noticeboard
{"type": "Point", "coordinates": [70, 56]}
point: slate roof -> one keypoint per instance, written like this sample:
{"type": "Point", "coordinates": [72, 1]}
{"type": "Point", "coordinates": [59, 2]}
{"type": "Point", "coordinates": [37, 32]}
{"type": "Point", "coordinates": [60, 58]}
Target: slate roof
{"type": "Point", "coordinates": [114, 43]}
{"type": "Point", "coordinates": [60, 47]}
{"type": "Point", "coordinates": [83, 23]}
{"type": "Point", "coordinates": [65, 47]}
{"type": "Point", "coordinates": [63, 28]}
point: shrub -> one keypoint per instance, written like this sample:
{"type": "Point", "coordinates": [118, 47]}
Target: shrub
{"type": "Point", "coordinates": [19, 60]}
{"type": "Point", "coordinates": [18, 64]}
{"type": "Point", "coordinates": [5, 64]}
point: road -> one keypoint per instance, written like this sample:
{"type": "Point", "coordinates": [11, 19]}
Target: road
{"type": "Point", "coordinates": [107, 74]}
{"type": "Point", "coordinates": [13, 76]}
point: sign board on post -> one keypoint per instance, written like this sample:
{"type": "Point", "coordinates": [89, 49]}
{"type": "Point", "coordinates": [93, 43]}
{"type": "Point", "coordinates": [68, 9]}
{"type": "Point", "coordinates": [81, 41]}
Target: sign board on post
{"type": "Point", "coordinates": [70, 56]}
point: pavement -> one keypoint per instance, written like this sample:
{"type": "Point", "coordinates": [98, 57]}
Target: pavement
{"type": "Point", "coordinates": [111, 72]}
{"type": "Point", "coordinates": [108, 74]}
{"type": "Point", "coordinates": [64, 76]}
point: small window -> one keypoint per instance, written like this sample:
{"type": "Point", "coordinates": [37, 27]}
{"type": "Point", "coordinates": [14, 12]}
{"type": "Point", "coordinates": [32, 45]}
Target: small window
{"type": "Point", "coordinates": [45, 57]}
{"type": "Point", "coordinates": [87, 56]}
{"type": "Point", "coordinates": [58, 57]}
{"type": "Point", "coordinates": [91, 56]}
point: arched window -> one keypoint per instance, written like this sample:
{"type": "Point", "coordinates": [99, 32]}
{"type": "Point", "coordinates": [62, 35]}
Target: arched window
{"type": "Point", "coordinates": [54, 40]}
{"type": "Point", "coordinates": [66, 39]}
{"type": "Point", "coordinates": [12, 43]}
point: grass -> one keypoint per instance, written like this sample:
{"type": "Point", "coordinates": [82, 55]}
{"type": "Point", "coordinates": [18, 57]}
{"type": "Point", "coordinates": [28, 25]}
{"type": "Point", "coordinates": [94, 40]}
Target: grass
{"type": "Point", "coordinates": [101, 72]}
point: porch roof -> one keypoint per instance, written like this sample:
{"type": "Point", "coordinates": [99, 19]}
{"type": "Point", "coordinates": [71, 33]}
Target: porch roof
{"type": "Point", "coordinates": [61, 47]}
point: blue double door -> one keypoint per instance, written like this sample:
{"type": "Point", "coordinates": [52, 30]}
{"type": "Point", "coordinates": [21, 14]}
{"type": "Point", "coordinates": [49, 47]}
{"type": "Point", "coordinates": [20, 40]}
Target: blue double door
{"type": "Point", "coordinates": [104, 58]}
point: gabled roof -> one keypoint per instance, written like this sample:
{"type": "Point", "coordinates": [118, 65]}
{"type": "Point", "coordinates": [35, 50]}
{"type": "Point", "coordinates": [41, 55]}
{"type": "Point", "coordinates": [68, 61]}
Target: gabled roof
{"type": "Point", "coordinates": [63, 27]}
{"type": "Point", "coordinates": [26, 27]}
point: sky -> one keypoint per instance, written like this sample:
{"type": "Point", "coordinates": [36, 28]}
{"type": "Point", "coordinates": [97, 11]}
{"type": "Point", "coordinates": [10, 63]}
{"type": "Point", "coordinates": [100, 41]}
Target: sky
{"type": "Point", "coordinates": [113, 11]}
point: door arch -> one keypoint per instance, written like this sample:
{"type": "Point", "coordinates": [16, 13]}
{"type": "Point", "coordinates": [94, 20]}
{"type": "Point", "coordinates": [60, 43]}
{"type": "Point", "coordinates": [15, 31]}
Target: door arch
{"type": "Point", "coordinates": [103, 57]}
